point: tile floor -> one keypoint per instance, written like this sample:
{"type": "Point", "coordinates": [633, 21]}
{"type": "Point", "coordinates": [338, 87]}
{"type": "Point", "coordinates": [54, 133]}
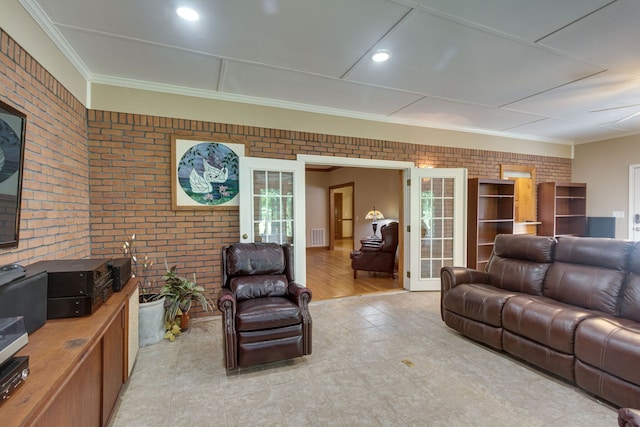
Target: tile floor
{"type": "Point", "coordinates": [384, 359]}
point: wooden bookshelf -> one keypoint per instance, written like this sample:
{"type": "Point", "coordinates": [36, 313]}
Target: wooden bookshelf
{"type": "Point", "coordinates": [562, 209]}
{"type": "Point", "coordinates": [490, 208]}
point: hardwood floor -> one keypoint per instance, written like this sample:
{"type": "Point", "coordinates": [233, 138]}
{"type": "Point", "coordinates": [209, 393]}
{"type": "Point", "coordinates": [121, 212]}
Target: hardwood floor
{"type": "Point", "coordinates": [329, 274]}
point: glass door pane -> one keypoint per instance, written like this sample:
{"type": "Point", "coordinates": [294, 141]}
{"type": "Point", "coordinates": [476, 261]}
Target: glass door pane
{"type": "Point", "coordinates": [436, 207]}
{"type": "Point", "coordinates": [273, 206]}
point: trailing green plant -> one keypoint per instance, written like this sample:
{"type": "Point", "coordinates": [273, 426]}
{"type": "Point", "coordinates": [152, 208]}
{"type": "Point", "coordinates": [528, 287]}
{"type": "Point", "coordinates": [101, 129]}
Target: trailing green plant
{"type": "Point", "coordinates": [180, 293]}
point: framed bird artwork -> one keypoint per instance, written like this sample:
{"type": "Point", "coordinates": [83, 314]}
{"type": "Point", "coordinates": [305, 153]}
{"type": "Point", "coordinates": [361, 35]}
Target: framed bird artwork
{"type": "Point", "coordinates": [204, 174]}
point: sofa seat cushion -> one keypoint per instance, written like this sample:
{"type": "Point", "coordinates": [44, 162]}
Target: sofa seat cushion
{"type": "Point", "coordinates": [482, 303]}
{"type": "Point", "coordinates": [266, 313]}
{"type": "Point", "coordinates": [545, 321]}
{"type": "Point", "coordinates": [611, 345]}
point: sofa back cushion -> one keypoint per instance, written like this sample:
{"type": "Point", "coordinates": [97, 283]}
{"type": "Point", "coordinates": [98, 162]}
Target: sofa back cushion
{"type": "Point", "coordinates": [630, 300]}
{"type": "Point", "coordinates": [589, 272]}
{"type": "Point", "coordinates": [259, 286]}
{"type": "Point", "coordinates": [519, 262]}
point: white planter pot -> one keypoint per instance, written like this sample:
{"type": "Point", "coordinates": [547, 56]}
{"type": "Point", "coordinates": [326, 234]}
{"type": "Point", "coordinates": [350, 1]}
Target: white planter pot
{"type": "Point", "coordinates": [151, 322]}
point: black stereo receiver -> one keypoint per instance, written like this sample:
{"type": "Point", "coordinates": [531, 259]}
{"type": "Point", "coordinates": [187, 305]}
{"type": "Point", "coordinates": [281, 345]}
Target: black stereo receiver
{"type": "Point", "coordinates": [75, 287]}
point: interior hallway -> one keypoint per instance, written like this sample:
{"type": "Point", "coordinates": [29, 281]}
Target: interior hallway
{"type": "Point", "coordinates": [329, 274]}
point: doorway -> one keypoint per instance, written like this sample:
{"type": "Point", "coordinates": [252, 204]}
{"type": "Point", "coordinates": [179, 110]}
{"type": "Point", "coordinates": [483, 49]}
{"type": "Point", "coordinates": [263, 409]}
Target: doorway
{"type": "Point", "coordinates": [348, 192]}
{"type": "Point", "coordinates": [341, 207]}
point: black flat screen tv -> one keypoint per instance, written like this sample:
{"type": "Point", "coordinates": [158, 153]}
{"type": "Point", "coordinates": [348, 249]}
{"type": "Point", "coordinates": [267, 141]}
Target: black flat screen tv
{"type": "Point", "coordinates": [12, 129]}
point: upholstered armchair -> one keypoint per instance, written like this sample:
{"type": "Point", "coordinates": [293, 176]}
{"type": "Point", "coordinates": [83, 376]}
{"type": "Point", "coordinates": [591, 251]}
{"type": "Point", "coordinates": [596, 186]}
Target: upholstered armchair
{"type": "Point", "coordinates": [377, 256]}
{"type": "Point", "coordinates": [265, 314]}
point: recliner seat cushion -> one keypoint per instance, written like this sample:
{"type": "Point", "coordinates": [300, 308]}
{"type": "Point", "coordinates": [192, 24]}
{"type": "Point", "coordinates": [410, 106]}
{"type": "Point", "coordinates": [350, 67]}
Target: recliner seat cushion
{"type": "Point", "coordinates": [611, 345]}
{"type": "Point", "coordinates": [545, 321]}
{"type": "Point", "coordinates": [479, 302]}
{"type": "Point", "coordinates": [266, 313]}
{"type": "Point", "coordinates": [264, 285]}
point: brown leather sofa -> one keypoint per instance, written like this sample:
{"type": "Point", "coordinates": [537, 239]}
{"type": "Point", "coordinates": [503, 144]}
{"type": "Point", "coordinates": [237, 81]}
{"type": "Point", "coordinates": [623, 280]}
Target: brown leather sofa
{"type": "Point", "coordinates": [265, 314]}
{"type": "Point", "coordinates": [570, 307]}
{"type": "Point", "coordinates": [377, 256]}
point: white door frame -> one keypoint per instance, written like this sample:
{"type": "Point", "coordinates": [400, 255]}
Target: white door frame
{"type": "Point", "coordinates": [405, 167]}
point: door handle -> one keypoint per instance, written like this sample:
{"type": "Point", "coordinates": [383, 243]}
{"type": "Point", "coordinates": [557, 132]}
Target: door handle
{"type": "Point", "coordinates": [245, 236]}
{"type": "Point", "coordinates": [636, 218]}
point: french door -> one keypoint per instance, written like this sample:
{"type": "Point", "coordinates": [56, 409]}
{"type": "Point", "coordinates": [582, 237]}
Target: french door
{"type": "Point", "coordinates": [272, 206]}
{"type": "Point", "coordinates": [634, 202]}
{"type": "Point", "coordinates": [436, 209]}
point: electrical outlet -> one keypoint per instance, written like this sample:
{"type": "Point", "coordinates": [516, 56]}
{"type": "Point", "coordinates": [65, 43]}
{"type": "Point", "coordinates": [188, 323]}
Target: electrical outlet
{"type": "Point", "coordinates": [617, 214]}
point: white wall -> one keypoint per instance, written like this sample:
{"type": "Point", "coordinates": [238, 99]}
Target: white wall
{"type": "Point", "coordinates": [604, 166]}
{"type": "Point", "coordinates": [316, 201]}
{"type": "Point", "coordinates": [379, 187]}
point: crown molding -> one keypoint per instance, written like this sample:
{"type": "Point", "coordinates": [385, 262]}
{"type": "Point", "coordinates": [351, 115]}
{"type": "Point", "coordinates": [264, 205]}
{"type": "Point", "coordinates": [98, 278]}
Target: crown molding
{"type": "Point", "coordinates": [41, 18]}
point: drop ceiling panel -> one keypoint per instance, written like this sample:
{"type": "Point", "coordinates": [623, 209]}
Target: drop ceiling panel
{"type": "Point", "coordinates": [528, 19]}
{"type": "Point", "coordinates": [558, 69]}
{"type": "Point", "coordinates": [437, 57]}
{"type": "Point", "coordinates": [128, 59]}
{"type": "Point", "coordinates": [599, 99]}
{"type": "Point", "coordinates": [561, 130]}
{"type": "Point", "coordinates": [609, 38]}
{"type": "Point", "coordinates": [266, 82]}
{"type": "Point", "coordinates": [456, 114]}
{"type": "Point", "coordinates": [308, 35]}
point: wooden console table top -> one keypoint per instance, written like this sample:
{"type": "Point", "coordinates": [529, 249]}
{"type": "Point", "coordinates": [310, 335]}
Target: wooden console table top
{"type": "Point", "coordinates": [55, 352]}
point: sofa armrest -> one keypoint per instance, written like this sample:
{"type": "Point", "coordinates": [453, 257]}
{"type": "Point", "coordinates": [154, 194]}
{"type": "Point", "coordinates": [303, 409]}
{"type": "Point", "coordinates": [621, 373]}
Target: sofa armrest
{"type": "Point", "coordinates": [450, 277]}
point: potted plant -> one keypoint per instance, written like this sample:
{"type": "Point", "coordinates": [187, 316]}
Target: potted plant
{"type": "Point", "coordinates": [180, 293]}
{"type": "Point", "coordinates": [151, 309]}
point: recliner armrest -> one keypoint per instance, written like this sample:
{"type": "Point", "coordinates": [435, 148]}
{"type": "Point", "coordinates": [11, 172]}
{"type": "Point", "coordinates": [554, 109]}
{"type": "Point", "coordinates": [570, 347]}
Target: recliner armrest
{"type": "Point", "coordinates": [226, 300]}
{"type": "Point", "coordinates": [299, 294]}
{"type": "Point", "coordinates": [628, 417]}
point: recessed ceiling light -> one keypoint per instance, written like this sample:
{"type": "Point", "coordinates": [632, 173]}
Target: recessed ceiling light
{"type": "Point", "coordinates": [187, 14]}
{"type": "Point", "coordinates": [381, 56]}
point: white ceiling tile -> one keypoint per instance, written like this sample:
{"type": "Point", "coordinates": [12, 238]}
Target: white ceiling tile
{"type": "Point", "coordinates": [568, 131]}
{"type": "Point", "coordinates": [528, 19]}
{"type": "Point", "coordinates": [128, 59]}
{"type": "Point", "coordinates": [476, 61]}
{"type": "Point", "coordinates": [266, 82]}
{"type": "Point", "coordinates": [307, 35]}
{"type": "Point", "coordinates": [437, 57]}
{"type": "Point", "coordinates": [599, 99]}
{"type": "Point", "coordinates": [609, 38]}
{"type": "Point", "coordinates": [456, 114]}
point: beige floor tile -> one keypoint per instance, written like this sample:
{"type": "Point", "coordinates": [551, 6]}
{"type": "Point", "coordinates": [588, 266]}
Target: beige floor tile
{"type": "Point", "coordinates": [380, 360]}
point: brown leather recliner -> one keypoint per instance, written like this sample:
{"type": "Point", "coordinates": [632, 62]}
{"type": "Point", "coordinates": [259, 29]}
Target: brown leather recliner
{"type": "Point", "coordinates": [380, 256]}
{"type": "Point", "coordinates": [265, 314]}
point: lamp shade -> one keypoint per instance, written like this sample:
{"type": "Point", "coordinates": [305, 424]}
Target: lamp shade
{"type": "Point", "coordinates": [374, 215]}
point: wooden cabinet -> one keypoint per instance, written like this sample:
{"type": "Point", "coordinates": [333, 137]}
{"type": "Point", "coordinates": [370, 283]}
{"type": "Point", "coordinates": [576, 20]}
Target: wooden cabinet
{"type": "Point", "coordinates": [490, 208]}
{"type": "Point", "coordinates": [78, 366]}
{"type": "Point", "coordinates": [562, 209]}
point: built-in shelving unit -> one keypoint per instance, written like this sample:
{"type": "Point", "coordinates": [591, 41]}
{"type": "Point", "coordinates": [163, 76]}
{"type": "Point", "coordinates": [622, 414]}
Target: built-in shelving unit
{"type": "Point", "coordinates": [562, 209]}
{"type": "Point", "coordinates": [490, 207]}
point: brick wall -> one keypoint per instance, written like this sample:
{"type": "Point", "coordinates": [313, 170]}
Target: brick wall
{"type": "Point", "coordinates": [129, 158]}
{"type": "Point", "coordinates": [55, 194]}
